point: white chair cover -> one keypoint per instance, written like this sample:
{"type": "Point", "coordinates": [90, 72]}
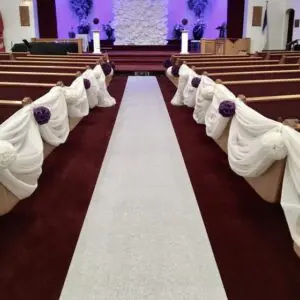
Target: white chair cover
{"type": "Point", "coordinates": [204, 97]}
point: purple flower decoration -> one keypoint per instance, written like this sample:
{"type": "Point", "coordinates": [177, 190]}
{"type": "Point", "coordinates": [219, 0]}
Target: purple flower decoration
{"type": "Point", "coordinates": [168, 63]}
{"type": "Point", "coordinates": [96, 21]}
{"type": "Point", "coordinates": [175, 71]}
{"type": "Point", "coordinates": [87, 83]}
{"type": "Point", "coordinates": [195, 82]}
{"type": "Point", "coordinates": [113, 65]}
{"type": "Point", "coordinates": [184, 21]}
{"type": "Point", "coordinates": [227, 109]}
{"type": "Point", "coordinates": [42, 115]}
{"type": "Point", "coordinates": [106, 67]}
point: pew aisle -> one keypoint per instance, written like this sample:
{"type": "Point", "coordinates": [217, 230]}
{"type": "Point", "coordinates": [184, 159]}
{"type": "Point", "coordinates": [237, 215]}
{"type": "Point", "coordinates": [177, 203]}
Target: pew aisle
{"type": "Point", "coordinates": [40, 234]}
{"type": "Point", "coordinates": [143, 236]}
{"type": "Point", "coordinates": [250, 237]}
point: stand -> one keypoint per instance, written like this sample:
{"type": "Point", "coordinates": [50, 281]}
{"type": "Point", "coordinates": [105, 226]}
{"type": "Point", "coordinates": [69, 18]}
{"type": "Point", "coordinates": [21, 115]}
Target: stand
{"type": "Point", "coordinates": [184, 42]}
{"type": "Point", "coordinates": [96, 39]}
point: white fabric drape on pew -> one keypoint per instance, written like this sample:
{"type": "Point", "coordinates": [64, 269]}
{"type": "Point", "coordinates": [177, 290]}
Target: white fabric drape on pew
{"type": "Point", "coordinates": [204, 97]}
{"type": "Point", "coordinates": [21, 153]}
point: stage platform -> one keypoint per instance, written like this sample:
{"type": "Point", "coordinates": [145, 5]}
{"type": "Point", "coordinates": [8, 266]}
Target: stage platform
{"type": "Point", "coordinates": [132, 59]}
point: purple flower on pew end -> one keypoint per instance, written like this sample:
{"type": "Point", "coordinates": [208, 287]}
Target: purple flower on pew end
{"type": "Point", "coordinates": [168, 63]}
{"type": "Point", "coordinates": [96, 21]}
{"type": "Point", "coordinates": [195, 82]}
{"type": "Point", "coordinates": [106, 67]}
{"type": "Point", "coordinates": [184, 21]}
{"type": "Point", "coordinates": [227, 109]}
{"type": "Point", "coordinates": [112, 64]}
{"type": "Point", "coordinates": [87, 83]}
{"type": "Point", "coordinates": [175, 71]}
{"type": "Point", "coordinates": [42, 115]}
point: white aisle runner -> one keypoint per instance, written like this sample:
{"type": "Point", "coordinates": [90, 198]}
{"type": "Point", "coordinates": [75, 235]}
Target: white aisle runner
{"type": "Point", "coordinates": [143, 237]}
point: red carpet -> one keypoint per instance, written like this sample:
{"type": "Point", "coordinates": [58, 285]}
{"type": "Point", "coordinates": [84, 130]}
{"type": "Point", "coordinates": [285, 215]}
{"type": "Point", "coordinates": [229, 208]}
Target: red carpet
{"type": "Point", "coordinates": [38, 238]}
{"type": "Point", "coordinates": [249, 237]}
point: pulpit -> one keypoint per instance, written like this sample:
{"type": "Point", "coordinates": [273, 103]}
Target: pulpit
{"type": "Point", "coordinates": [225, 46]}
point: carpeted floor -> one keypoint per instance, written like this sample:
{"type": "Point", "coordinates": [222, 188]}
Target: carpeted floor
{"type": "Point", "coordinates": [38, 238]}
{"type": "Point", "coordinates": [249, 237]}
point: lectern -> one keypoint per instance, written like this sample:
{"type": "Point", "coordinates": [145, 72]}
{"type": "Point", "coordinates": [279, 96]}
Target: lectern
{"type": "Point", "coordinates": [184, 42]}
{"type": "Point", "coordinates": [96, 39]}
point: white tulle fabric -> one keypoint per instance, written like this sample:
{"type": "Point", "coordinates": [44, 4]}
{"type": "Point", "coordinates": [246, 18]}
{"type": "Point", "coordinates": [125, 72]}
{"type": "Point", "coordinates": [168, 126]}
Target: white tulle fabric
{"type": "Point", "coordinates": [204, 97]}
{"type": "Point", "coordinates": [57, 130]}
{"type": "Point", "coordinates": [255, 142]}
{"type": "Point", "coordinates": [184, 73]}
{"type": "Point", "coordinates": [21, 153]}
{"type": "Point", "coordinates": [103, 96]}
{"type": "Point", "coordinates": [189, 92]}
{"type": "Point", "coordinates": [216, 123]}
{"type": "Point", "coordinates": [76, 99]}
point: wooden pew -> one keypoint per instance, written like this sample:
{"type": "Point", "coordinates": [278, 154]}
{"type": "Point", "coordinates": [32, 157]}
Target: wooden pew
{"type": "Point", "coordinates": [9, 107]}
{"type": "Point", "coordinates": [274, 109]}
{"type": "Point", "coordinates": [247, 68]}
{"type": "Point", "coordinates": [5, 56]}
{"type": "Point", "coordinates": [201, 59]}
{"type": "Point", "coordinates": [196, 55]}
{"type": "Point", "coordinates": [198, 64]}
{"type": "Point", "coordinates": [256, 75]}
{"type": "Point", "coordinates": [49, 63]}
{"type": "Point", "coordinates": [17, 90]}
{"type": "Point", "coordinates": [42, 68]}
{"type": "Point", "coordinates": [53, 58]}
{"type": "Point", "coordinates": [35, 77]}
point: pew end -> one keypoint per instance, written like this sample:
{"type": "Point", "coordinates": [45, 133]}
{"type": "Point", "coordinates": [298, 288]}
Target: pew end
{"type": "Point", "coordinates": [282, 59]}
{"type": "Point", "coordinates": [268, 185]}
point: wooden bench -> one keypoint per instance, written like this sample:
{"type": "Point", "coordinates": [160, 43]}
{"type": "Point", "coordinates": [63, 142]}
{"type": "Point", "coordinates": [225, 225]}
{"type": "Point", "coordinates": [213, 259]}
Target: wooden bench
{"type": "Point", "coordinates": [270, 88]}
{"type": "Point", "coordinates": [256, 75]}
{"type": "Point", "coordinates": [64, 58]}
{"type": "Point", "coordinates": [35, 77]}
{"type": "Point", "coordinates": [18, 90]}
{"type": "Point", "coordinates": [9, 107]}
{"type": "Point", "coordinates": [37, 68]}
{"type": "Point", "coordinates": [5, 56]}
{"type": "Point", "coordinates": [201, 59]}
{"type": "Point", "coordinates": [231, 63]}
{"type": "Point", "coordinates": [247, 68]}
{"type": "Point", "coordinates": [48, 63]}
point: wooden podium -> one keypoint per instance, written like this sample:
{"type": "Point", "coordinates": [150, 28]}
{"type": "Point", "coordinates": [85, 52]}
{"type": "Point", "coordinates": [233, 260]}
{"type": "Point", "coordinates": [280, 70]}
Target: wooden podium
{"type": "Point", "coordinates": [225, 46]}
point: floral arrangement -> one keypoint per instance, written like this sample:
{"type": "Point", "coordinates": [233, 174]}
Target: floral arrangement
{"type": "Point", "coordinates": [175, 70]}
{"type": "Point", "coordinates": [195, 82]}
{"type": "Point", "coordinates": [184, 22]}
{"type": "Point", "coordinates": [227, 109]}
{"type": "Point", "coordinates": [82, 9]}
{"type": "Point", "coordinates": [178, 28]}
{"type": "Point", "coordinates": [106, 68]}
{"type": "Point", "coordinates": [42, 115]}
{"type": "Point", "coordinates": [198, 6]}
{"type": "Point", "coordinates": [198, 29]}
{"type": "Point", "coordinates": [167, 63]}
{"type": "Point", "coordinates": [86, 83]}
{"type": "Point", "coordinates": [108, 30]}
{"type": "Point", "coordinates": [223, 29]}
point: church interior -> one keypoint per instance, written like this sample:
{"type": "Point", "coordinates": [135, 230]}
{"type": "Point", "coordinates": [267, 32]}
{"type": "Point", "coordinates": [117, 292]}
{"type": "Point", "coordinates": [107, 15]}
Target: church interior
{"type": "Point", "coordinates": [149, 149]}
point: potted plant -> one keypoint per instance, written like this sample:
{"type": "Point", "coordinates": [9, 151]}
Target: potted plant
{"type": "Point", "coordinates": [82, 9]}
{"type": "Point", "coordinates": [71, 33]}
{"type": "Point", "coordinates": [198, 29]}
{"type": "Point", "coordinates": [109, 31]}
